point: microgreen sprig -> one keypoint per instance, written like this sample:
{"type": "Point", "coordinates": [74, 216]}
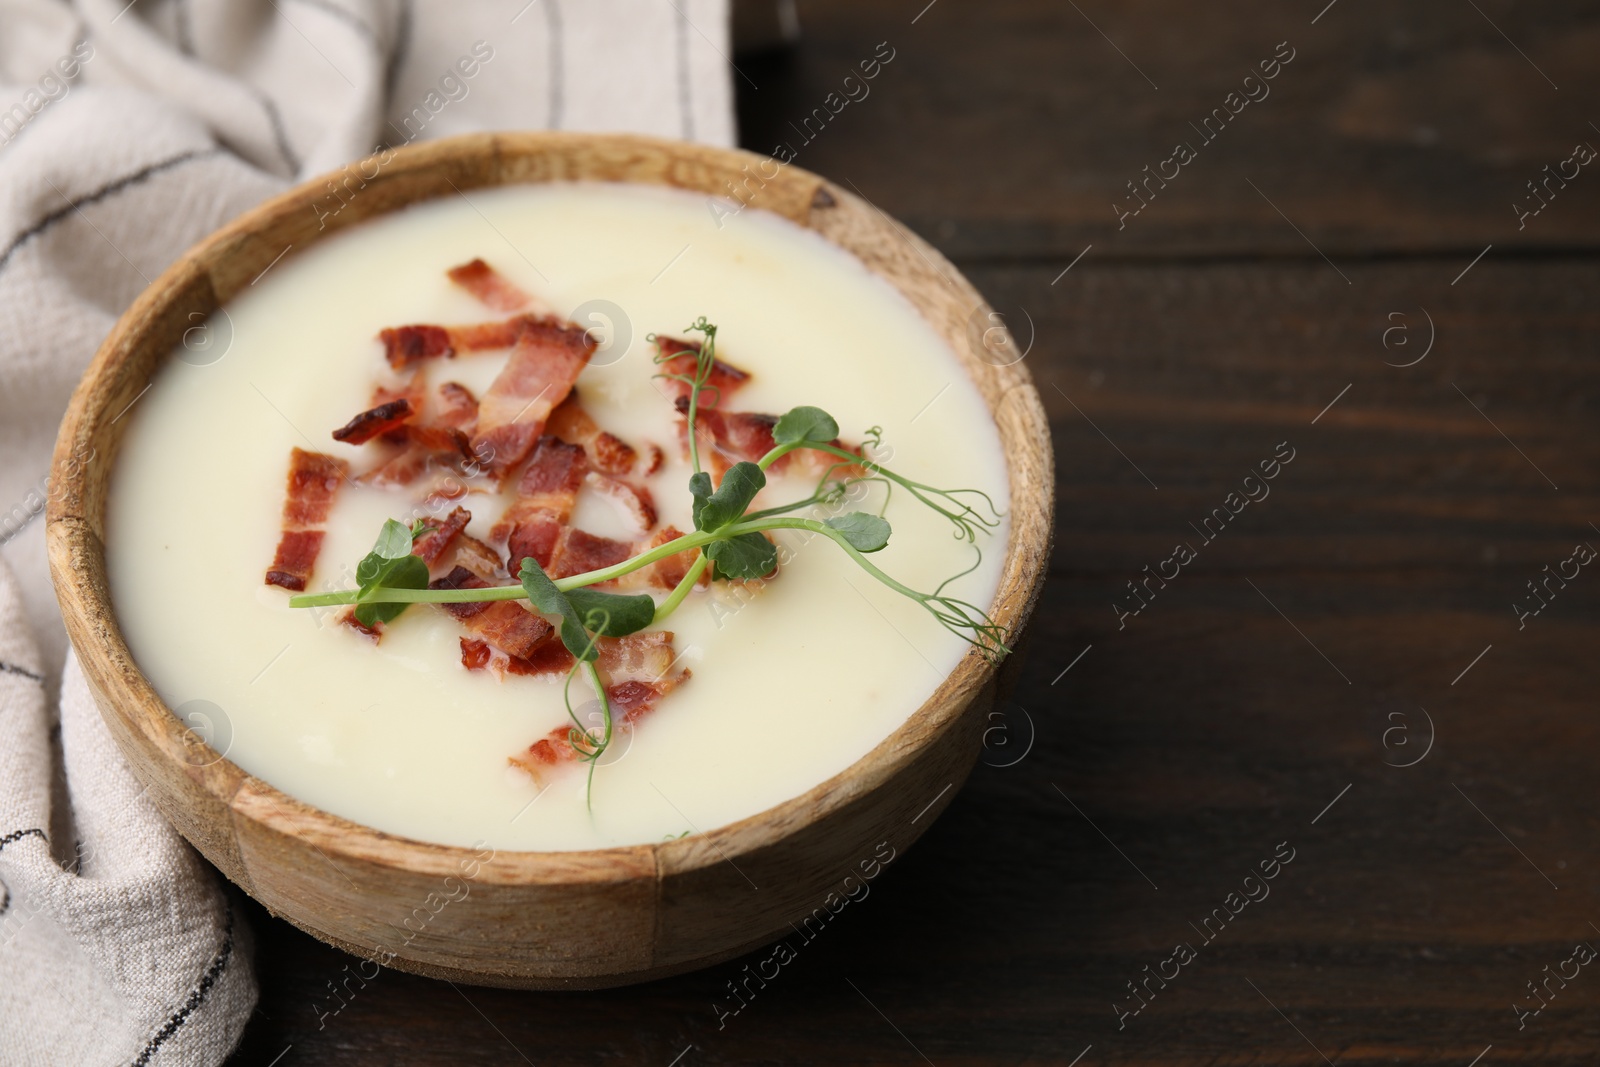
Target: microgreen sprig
{"type": "Point", "coordinates": [728, 538]}
{"type": "Point", "coordinates": [390, 565]}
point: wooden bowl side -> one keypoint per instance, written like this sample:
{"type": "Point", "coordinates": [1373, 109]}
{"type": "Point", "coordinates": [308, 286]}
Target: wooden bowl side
{"type": "Point", "coordinates": [536, 920]}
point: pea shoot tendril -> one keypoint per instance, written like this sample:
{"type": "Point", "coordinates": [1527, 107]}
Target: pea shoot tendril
{"type": "Point", "coordinates": [729, 539]}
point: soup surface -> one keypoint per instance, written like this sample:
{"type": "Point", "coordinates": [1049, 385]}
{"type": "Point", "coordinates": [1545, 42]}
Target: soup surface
{"type": "Point", "coordinates": [788, 685]}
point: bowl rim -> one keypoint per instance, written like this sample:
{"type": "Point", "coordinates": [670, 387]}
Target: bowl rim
{"type": "Point", "coordinates": [77, 557]}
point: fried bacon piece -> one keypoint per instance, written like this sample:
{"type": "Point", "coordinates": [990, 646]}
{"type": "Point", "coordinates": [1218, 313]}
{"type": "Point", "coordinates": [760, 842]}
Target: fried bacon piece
{"type": "Point", "coordinates": [429, 443]}
{"type": "Point", "coordinates": [369, 424]}
{"type": "Point", "coordinates": [413, 389]}
{"type": "Point", "coordinates": [504, 624]}
{"type": "Point", "coordinates": [489, 286]}
{"type": "Point", "coordinates": [405, 345]}
{"type": "Point", "coordinates": [458, 408]}
{"type": "Point", "coordinates": [663, 573]}
{"type": "Point", "coordinates": [736, 434]}
{"type": "Point", "coordinates": [638, 672]}
{"type": "Point", "coordinates": [546, 494]}
{"type": "Point", "coordinates": [726, 437]}
{"type": "Point", "coordinates": [425, 449]}
{"type": "Point", "coordinates": [313, 480]}
{"type": "Point", "coordinates": [731, 436]}
{"type": "Point", "coordinates": [542, 368]}
{"type": "Point", "coordinates": [432, 544]}
{"type": "Point", "coordinates": [469, 552]}
{"type": "Point", "coordinates": [607, 453]}
{"type": "Point", "coordinates": [682, 358]}
{"type": "Point", "coordinates": [635, 499]}
{"type": "Point", "coordinates": [551, 657]}
{"type": "Point", "coordinates": [579, 551]}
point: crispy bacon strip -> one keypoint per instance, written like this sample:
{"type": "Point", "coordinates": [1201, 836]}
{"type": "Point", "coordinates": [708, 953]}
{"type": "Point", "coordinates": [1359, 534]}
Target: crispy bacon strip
{"type": "Point", "coordinates": [504, 624]}
{"type": "Point", "coordinates": [551, 657]}
{"type": "Point", "coordinates": [458, 408]}
{"type": "Point", "coordinates": [414, 389]}
{"type": "Point", "coordinates": [635, 499]}
{"type": "Point", "coordinates": [489, 286]}
{"type": "Point", "coordinates": [542, 368]}
{"type": "Point", "coordinates": [405, 345]}
{"type": "Point", "coordinates": [663, 573]}
{"type": "Point", "coordinates": [313, 480]}
{"type": "Point", "coordinates": [484, 336]}
{"type": "Point", "coordinates": [546, 494]}
{"type": "Point", "coordinates": [607, 453]}
{"type": "Point", "coordinates": [731, 436]}
{"type": "Point", "coordinates": [432, 544]}
{"type": "Point", "coordinates": [683, 357]}
{"type": "Point", "coordinates": [736, 434]}
{"type": "Point", "coordinates": [579, 551]}
{"type": "Point", "coordinates": [638, 672]}
{"type": "Point", "coordinates": [369, 424]}
{"type": "Point", "coordinates": [425, 449]}
{"type": "Point", "coordinates": [477, 557]}
{"type": "Point", "coordinates": [428, 443]}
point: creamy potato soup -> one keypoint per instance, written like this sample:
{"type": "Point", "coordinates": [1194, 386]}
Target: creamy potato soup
{"type": "Point", "coordinates": [507, 375]}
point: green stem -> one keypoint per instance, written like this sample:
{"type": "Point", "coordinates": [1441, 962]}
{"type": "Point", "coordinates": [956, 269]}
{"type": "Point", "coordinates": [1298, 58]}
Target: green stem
{"type": "Point", "coordinates": [779, 451]}
{"type": "Point", "coordinates": [783, 509]}
{"type": "Point", "coordinates": [503, 592]}
{"type": "Point", "coordinates": [827, 531]}
{"type": "Point", "coordinates": [693, 434]}
{"type": "Point", "coordinates": [669, 605]}
{"type": "Point", "coordinates": [598, 748]}
{"type": "Point", "coordinates": [702, 373]}
{"type": "Point", "coordinates": [384, 595]}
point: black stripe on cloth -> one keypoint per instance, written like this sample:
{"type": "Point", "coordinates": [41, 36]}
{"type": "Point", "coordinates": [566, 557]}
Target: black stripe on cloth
{"type": "Point", "coordinates": [18, 835]}
{"type": "Point", "coordinates": [102, 193]}
{"type": "Point", "coordinates": [552, 12]}
{"type": "Point", "coordinates": [685, 112]}
{"type": "Point", "coordinates": [280, 133]}
{"type": "Point", "coordinates": [197, 996]}
{"type": "Point", "coordinates": [12, 668]}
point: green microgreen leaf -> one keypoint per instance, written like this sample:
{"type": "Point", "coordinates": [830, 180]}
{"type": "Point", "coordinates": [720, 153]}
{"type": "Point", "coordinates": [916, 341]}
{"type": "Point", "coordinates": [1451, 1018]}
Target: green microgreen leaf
{"type": "Point", "coordinates": [805, 424]}
{"type": "Point", "coordinates": [612, 614]}
{"type": "Point", "coordinates": [548, 600]}
{"type": "Point", "coordinates": [714, 510]}
{"type": "Point", "coordinates": [394, 540]}
{"type": "Point", "coordinates": [866, 533]}
{"type": "Point", "coordinates": [390, 565]}
{"type": "Point", "coordinates": [700, 495]}
{"type": "Point", "coordinates": [747, 556]}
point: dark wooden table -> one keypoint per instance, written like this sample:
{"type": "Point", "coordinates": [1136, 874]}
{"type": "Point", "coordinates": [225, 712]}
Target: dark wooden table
{"type": "Point", "coordinates": [1340, 674]}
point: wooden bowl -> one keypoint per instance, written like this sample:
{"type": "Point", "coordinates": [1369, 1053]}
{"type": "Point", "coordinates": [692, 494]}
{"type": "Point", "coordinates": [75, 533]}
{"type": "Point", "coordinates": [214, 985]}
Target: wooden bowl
{"type": "Point", "coordinates": [537, 919]}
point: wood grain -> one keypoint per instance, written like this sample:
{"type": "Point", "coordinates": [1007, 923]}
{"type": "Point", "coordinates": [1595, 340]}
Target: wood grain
{"type": "Point", "coordinates": [1010, 128]}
